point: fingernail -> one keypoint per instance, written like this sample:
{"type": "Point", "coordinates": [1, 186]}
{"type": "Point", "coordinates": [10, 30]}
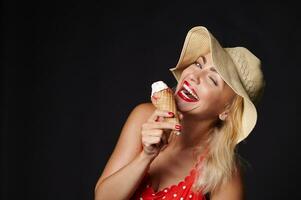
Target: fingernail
{"type": "Point", "coordinates": [171, 113]}
{"type": "Point", "coordinates": [178, 127]}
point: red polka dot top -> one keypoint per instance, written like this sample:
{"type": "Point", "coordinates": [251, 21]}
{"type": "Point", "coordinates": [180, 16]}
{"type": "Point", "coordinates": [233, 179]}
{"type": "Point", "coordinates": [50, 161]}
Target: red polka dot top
{"type": "Point", "coordinates": [180, 191]}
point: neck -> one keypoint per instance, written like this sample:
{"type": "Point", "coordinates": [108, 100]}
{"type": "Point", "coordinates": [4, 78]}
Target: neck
{"type": "Point", "coordinates": [194, 134]}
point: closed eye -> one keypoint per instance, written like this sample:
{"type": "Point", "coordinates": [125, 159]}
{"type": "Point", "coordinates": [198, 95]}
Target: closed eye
{"type": "Point", "coordinates": [215, 83]}
{"type": "Point", "coordinates": [199, 65]}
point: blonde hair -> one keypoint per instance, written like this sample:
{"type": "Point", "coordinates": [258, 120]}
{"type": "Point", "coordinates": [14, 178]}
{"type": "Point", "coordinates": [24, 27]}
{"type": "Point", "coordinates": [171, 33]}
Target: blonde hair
{"type": "Point", "coordinates": [220, 161]}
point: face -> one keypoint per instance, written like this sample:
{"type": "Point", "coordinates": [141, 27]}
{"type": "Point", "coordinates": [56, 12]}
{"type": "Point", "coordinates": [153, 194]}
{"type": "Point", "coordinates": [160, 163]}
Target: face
{"type": "Point", "coordinates": [201, 91]}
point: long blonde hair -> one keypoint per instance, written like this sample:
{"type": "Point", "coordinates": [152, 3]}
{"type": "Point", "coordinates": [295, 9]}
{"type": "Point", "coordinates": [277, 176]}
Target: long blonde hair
{"type": "Point", "coordinates": [220, 162]}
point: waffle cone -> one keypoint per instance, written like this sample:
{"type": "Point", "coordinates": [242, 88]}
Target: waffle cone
{"type": "Point", "coordinates": [165, 101]}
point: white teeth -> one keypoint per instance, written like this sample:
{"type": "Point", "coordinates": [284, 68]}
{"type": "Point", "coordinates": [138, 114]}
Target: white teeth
{"type": "Point", "coordinates": [183, 93]}
{"type": "Point", "coordinates": [190, 91]}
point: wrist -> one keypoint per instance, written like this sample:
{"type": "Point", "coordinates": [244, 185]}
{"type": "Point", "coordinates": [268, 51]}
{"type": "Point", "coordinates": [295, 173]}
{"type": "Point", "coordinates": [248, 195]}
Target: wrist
{"type": "Point", "coordinates": [147, 157]}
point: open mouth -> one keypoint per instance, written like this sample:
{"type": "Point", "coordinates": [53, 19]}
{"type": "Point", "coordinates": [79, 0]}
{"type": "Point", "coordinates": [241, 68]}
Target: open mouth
{"type": "Point", "coordinates": [187, 93]}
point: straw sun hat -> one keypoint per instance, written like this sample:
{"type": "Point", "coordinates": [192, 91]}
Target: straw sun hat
{"type": "Point", "coordinates": [237, 66]}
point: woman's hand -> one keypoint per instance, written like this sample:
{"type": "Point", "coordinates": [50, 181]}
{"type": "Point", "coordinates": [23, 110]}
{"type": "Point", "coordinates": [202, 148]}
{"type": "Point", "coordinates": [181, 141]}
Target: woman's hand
{"type": "Point", "coordinates": [155, 132]}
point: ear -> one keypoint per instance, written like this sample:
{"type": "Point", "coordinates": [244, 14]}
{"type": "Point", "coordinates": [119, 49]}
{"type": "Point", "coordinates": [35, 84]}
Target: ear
{"type": "Point", "coordinates": [224, 114]}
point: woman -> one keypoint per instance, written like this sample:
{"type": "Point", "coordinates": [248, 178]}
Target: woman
{"type": "Point", "coordinates": [201, 162]}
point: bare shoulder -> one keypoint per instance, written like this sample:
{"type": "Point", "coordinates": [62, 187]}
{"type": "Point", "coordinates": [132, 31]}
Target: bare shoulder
{"type": "Point", "coordinates": [144, 109]}
{"type": "Point", "coordinates": [139, 115]}
{"type": "Point", "coordinates": [233, 189]}
{"type": "Point", "coordinates": [129, 143]}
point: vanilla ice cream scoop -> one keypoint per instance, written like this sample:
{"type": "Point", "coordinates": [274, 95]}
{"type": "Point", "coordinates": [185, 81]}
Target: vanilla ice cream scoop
{"type": "Point", "coordinates": [158, 86]}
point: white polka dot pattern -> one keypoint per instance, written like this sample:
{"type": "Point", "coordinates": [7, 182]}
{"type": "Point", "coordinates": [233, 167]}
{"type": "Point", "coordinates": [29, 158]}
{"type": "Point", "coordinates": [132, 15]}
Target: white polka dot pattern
{"type": "Point", "coordinates": [179, 191]}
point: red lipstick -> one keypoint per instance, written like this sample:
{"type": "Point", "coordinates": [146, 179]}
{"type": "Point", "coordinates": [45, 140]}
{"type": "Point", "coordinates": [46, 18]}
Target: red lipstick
{"type": "Point", "coordinates": [183, 93]}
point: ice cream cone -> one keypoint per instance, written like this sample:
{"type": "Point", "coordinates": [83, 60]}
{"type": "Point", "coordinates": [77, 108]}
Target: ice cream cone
{"type": "Point", "coordinates": [163, 99]}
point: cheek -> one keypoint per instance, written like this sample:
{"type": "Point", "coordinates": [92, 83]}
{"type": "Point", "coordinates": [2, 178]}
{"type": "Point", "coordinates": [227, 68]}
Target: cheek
{"type": "Point", "coordinates": [207, 93]}
{"type": "Point", "coordinates": [185, 73]}
{"type": "Point", "coordinates": [211, 100]}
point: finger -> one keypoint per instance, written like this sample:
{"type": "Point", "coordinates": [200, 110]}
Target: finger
{"type": "Point", "coordinates": [161, 125]}
{"type": "Point", "coordinates": [155, 132]}
{"type": "Point", "coordinates": [149, 140]}
{"type": "Point", "coordinates": [159, 119]}
{"type": "Point", "coordinates": [160, 113]}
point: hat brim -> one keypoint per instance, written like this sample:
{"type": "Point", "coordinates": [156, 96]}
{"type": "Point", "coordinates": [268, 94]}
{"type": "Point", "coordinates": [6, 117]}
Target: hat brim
{"type": "Point", "coordinates": [200, 41]}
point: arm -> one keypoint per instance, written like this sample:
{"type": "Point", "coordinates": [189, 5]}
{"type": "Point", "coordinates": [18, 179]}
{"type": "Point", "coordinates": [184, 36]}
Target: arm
{"type": "Point", "coordinates": [123, 183]}
{"type": "Point", "coordinates": [232, 190]}
{"type": "Point", "coordinates": [126, 159]}
{"type": "Point", "coordinates": [141, 140]}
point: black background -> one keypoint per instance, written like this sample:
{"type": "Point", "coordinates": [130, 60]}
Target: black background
{"type": "Point", "coordinates": [72, 72]}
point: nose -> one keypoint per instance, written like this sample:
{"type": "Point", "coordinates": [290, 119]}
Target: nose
{"type": "Point", "coordinates": [193, 78]}
{"type": "Point", "coordinates": [197, 76]}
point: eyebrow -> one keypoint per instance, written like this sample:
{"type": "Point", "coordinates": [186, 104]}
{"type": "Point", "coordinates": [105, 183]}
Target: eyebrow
{"type": "Point", "coordinates": [211, 68]}
{"type": "Point", "coordinates": [204, 59]}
